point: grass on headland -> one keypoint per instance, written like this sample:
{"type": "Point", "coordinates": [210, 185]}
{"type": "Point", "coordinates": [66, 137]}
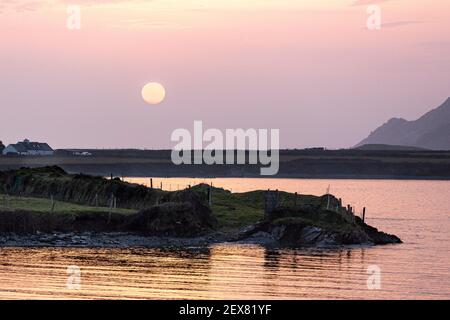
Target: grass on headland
{"type": "Point", "coordinates": [237, 210]}
{"type": "Point", "coordinates": [12, 203]}
{"type": "Point", "coordinates": [232, 210]}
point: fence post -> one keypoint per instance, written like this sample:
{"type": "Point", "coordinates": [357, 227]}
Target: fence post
{"type": "Point", "coordinates": [111, 204]}
{"type": "Point", "coordinates": [53, 203]}
{"type": "Point", "coordinates": [271, 202]}
{"type": "Point", "coordinates": [364, 214]}
{"type": "Point", "coordinates": [6, 199]}
{"type": "Point", "coordinates": [96, 200]}
{"type": "Point", "coordinates": [210, 195]}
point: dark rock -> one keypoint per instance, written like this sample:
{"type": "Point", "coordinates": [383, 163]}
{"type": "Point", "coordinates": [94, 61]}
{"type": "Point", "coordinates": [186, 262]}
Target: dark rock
{"type": "Point", "coordinates": [310, 226]}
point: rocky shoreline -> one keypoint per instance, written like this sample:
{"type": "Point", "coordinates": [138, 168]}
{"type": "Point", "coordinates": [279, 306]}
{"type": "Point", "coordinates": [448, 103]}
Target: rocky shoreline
{"type": "Point", "coordinates": [260, 234]}
{"type": "Point", "coordinates": [103, 240]}
{"type": "Point", "coordinates": [288, 235]}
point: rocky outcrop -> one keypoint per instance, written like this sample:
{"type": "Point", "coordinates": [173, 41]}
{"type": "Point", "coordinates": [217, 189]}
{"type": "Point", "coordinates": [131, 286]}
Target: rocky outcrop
{"type": "Point", "coordinates": [299, 229]}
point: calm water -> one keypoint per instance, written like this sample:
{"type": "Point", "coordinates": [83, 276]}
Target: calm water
{"type": "Point", "coordinates": [417, 211]}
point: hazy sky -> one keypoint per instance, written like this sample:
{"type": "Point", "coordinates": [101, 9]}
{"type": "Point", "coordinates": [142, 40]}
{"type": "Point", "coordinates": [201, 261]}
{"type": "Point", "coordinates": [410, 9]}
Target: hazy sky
{"type": "Point", "coordinates": [310, 68]}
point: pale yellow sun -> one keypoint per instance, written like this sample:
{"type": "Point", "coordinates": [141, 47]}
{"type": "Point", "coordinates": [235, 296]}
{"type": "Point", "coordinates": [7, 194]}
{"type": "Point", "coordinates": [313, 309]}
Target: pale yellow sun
{"type": "Point", "coordinates": [153, 93]}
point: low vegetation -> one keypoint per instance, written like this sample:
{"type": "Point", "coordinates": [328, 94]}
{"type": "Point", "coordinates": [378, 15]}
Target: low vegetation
{"type": "Point", "coordinates": [16, 203]}
{"type": "Point", "coordinates": [49, 199]}
{"type": "Point", "coordinates": [237, 210]}
{"type": "Point", "coordinates": [32, 189]}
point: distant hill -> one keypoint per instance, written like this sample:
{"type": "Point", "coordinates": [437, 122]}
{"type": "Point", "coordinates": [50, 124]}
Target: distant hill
{"type": "Point", "coordinates": [388, 147]}
{"type": "Point", "coordinates": [431, 131]}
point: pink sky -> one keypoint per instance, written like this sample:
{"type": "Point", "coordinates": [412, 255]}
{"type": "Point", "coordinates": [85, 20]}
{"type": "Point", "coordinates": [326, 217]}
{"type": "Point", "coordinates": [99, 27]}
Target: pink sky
{"type": "Point", "coordinates": [309, 68]}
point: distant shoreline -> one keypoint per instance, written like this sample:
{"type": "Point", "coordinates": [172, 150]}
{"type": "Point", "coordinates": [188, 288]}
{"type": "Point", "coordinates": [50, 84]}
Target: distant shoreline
{"type": "Point", "coordinates": [319, 177]}
{"type": "Point", "coordinates": [294, 164]}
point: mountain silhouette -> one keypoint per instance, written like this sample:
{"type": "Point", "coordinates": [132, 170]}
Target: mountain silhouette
{"type": "Point", "coordinates": [431, 131]}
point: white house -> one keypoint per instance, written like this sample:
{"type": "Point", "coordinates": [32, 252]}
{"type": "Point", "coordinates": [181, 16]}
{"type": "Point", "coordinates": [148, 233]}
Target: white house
{"type": "Point", "coordinates": [83, 154]}
{"type": "Point", "coordinates": [27, 148]}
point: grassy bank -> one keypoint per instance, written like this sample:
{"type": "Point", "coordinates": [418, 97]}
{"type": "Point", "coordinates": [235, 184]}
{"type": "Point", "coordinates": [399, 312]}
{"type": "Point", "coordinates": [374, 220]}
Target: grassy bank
{"type": "Point", "coordinates": [76, 194]}
{"type": "Point", "coordinates": [233, 211]}
{"type": "Point", "coordinates": [15, 203]}
{"type": "Point", "coordinates": [237, 210]}
{"type": "Point", "coordinates": [82, 203]}
{"type": "Point", "coordinates": [49, 199]}
{"type": "Point", "coordinates": [31, 215]}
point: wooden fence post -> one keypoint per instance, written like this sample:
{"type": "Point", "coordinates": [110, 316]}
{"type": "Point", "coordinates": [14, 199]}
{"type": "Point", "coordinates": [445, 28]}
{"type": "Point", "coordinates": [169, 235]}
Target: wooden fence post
{"type": "Point", "coordinates": [210, 195]}
{"type": "Point", "coordinates": [6, 199]}
{"type": "Point", "coordinates": [96, 200]}
{"type": "Point", "coordinates": [271, 202]}
{"type": "Point", "coordinates": [111, 204]}
{"type": "Point", "coordinates": [53, 203]}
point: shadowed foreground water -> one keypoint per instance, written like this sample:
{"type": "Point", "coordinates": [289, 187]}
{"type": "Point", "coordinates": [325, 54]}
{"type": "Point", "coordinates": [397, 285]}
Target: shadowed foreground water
{"type": "Point", "coordinates": [417, 211]}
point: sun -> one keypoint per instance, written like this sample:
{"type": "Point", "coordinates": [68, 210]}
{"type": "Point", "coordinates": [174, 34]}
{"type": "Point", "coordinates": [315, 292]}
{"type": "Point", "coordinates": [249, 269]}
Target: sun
{"type": "Point", "coordinates": [153, 93]}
